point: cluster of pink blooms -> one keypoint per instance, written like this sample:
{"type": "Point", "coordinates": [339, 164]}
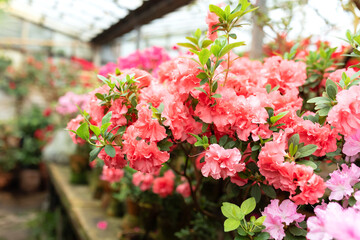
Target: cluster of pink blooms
{"type": "Point", "coordinates": [239, 112]}
{"type": "Point", "coordinates": [335, 222]}
{"type": "Point", "coordinates": [69, 103]}
{"type": "Point", "coordinates": [112, 175]}
{"type": "Point", "coordinates": [278, 216]}
{"type": "Point", "coordinates": [148, 59]}
{"type": "Point", "coordinates": [161, 185]}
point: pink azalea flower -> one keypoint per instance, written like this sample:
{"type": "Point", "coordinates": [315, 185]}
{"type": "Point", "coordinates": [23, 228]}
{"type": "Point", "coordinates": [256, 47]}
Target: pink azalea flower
{"type": "Point", "coordinates": [278, 215]}
{"type": "Point", "coordinates": [222, 163]}
{"type": "Point", "coordinates": [163, 186]}
{"type": "Point", "coordinates": [118, 161]}
{"type": "Point", "coordinates": [341, 182]}
{"type": "Point", "coordinates": [111, 174]}
{"type": "Point", "coordinates": [345, 116]}
{"type": "Point", "coordinates": [74, 124]}
{"type": "Point", "coordinates": [352, 144]}
{"type": "Point", "coordinates": [184, 189]}
{"type": "Point", "coordinates": [143, 180]}
{"type": "Point", "coordinates": [148, 127]}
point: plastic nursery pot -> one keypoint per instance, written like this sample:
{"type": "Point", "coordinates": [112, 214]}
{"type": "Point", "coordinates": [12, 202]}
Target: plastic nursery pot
{"type": "Point", "coordinates": [29, 180]}
{"type": "Point", "coordinates": [78, 166]}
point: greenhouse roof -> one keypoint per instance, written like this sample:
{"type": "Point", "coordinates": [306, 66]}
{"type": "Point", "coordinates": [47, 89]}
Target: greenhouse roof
{"type": "Point", "coordinates": [92, 20]}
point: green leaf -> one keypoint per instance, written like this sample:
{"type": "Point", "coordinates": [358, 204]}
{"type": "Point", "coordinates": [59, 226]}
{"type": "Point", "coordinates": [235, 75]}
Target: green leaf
{"type": "Point", "coordinates": [201, 75]}
{"type": "Point", "coordinates": [217, 10]}
{"type": "Point", "coordinates": [256, 192]}
{"type": "Point", "coordinates": [204, 55]}
{"type": "Point", "coordinates": [161, 108]}
{"type": "Point", "coordinates": [357, 185]}
{"type": "Point", "coordinates": [95, 129]}
{"type": "Point", "coordinates": [94, 153]}
{"type": "Point", "coordinates": [231, 224]}
{"type": "Point", "coordinates": [262, 236]}
{"type": "Point", "coordinates": [276, 118]}
{"type": "Point", "coordinates": [206, 43]}
{"type": "Point", "coordinates": [294, 139]}
{"type": "Point", "coordinates": [308, 163]}
{"type": "Point", "coordinates": [248, 206]}
{"type": "Point", "coordinates": [223, 140]}
{"type": "Point", "coordinates": [233, 211]}
{"type": "Point", "coordinates": [307, 150]}
{"type": "Point", "coordinates": [106, 118]}
{"type": "Point", "coordinates": [229, 47]}
{"type": "Point", "coordinates": [197, 33]}
{"type": "Point", "coordinates": [164, 145]}
{"type": "Point", "coordinates": [297, 231]}
{"type": "Point", "coordinates": [216, 95]}
{"type": "Point", "coordinates": [83, 131]}
{"type": "Point", "coordinates": [241, 238]}
{"type": "Point", "coordinates": [319, 100]}
{"type": "Point", "coordinates": [241, 232]}
{"type": "Point", "coordinates": [213, 140]}
{"type": "Point", "coordinates": [230, 145]}
{"type": "Point", "coordinates": [104, 79]}
{"type": "Point", "coordinates": [268, 190]}
{"type": "Point", "coordinates": [268, 88]}
{"type": "Point", "coordinates": [110, 150]}
{"type": "Point", "coordinates": [260, 221]}
{"type": "Point", "coordinates": [331, 91]}
{"type": "Point", "coordinates": [188, 45]}
{"type": "Point", "coordinates": [100, 96]}
{"type": "Point", "coordinates": [104, 127]}
{"type": "Point", "coordinates": [352, 201]}
{"type": "Point", "coordinates": [201, 90]}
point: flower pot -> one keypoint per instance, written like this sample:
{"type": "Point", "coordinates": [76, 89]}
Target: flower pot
{"type": "Point", "coordinates": [5, 179]}
{"type": "Point", "coordinates": [29, 180]}
{"type": "Point", "coordinates": [79, 167]}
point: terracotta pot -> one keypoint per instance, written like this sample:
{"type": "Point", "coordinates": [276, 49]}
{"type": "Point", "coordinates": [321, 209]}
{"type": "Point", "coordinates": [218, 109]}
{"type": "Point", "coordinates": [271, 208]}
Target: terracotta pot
{"type": "Point", "coordinates": [29, 180]}
{"type": "Point", "coordinates": [5, 178]}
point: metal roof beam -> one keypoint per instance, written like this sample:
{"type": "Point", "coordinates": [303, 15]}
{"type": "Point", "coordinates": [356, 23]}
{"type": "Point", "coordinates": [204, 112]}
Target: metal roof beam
{"type": "Point", "coordinates": [149, 11]}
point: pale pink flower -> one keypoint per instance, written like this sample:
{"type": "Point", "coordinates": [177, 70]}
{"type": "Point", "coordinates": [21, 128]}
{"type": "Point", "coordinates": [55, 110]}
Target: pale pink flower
{"type": "Point", "coordinates": [278, 215]}
{"type": "Point", "coordinates": [222, 163]}
{"type": "Point", "coordinates": [341, 182]}
{"type": "Point", "coordinates": [352, 144]}
{"type": "Point", "coordinates": [143, 180]}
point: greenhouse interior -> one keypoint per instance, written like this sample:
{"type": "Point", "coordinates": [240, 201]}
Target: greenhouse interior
{"type": "Point", "coordinates": [179, 120]}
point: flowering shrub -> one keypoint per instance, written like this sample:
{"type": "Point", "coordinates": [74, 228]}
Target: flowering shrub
{"type": "Point", "coordinates": [229, 127]}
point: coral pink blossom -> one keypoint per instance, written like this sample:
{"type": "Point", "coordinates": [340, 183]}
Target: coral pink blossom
{"type": "Point", "coordinates": [238, 180]}
{"type": "Point", "coordinates": [111, 174]}
{"type": "Point", "coordinates": [211, 20]}
{"type": "Point", "coordinates": [284, 73]}
{"type": "Point", "coordinates": [102, 225]}
{"type": "Point", "coordinates": [163, 186]}
{"type": "Point", "coordinates": [113, 162]}
{"type": "Point", "coordinates": [180, 121]}
{"type": "Point", "coordinates": [323, 137]}
{"type": "Point", "coordinates": [311, 191]}
{"type": "Point", "coordinates": [144, 157]}
{"type": "Point", "coordinates": [143, 180]}
{"type": "Point", "coordinates": [148, 127]}
{"type": "Point", "coordinates": [184, 189]}
{"type": "Point", "coordinates": [352, 144]}
{"type": "Point", "coordinates": [278, 215]}
{"type": "Point", "coordinates": [222, 163]}
{"type": "Point", "coordinates": [107, 69]}
{"type": "Point", "coordinates": [345, 116]}
{"type": "Point", "coordinates": [73, 125]}
{"type": "Point", "coordinates": [337, 75]}
{"type": "Point", "coordinates": [118, 114]}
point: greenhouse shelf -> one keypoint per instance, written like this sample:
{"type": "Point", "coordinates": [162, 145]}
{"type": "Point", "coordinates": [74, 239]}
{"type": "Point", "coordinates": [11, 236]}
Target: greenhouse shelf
{"type": "Point", "coordinates": [83, 211]}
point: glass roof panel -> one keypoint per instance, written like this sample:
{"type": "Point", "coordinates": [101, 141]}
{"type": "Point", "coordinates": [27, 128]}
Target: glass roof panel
{"type": "Point", "coordinates": [76, 18]}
